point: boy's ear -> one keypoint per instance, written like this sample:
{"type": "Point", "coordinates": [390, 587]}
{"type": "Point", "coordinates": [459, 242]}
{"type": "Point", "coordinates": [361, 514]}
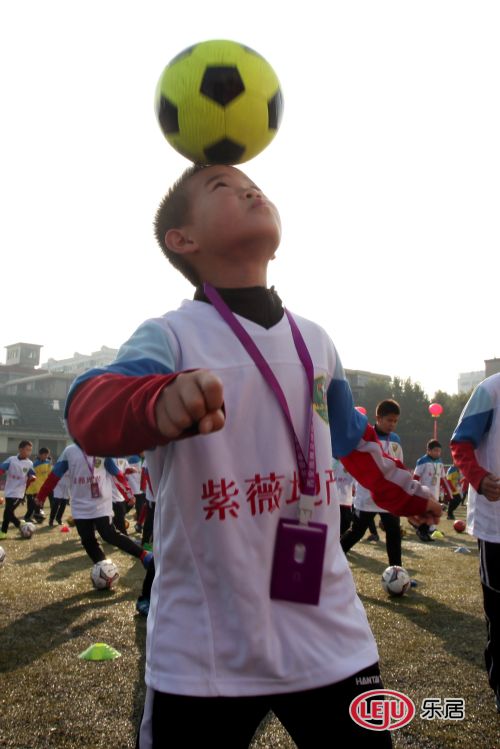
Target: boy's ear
{"type": "Point", "coordinates": [178, 240]}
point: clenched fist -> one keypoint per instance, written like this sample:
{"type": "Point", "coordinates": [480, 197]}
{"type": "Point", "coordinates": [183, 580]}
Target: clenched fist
{"type": "Point", "coordinates": [192, 398]}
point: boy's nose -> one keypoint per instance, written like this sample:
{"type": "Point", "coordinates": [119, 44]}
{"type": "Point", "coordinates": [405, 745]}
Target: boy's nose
{"type": "Point", "coordinates": [252, 192]}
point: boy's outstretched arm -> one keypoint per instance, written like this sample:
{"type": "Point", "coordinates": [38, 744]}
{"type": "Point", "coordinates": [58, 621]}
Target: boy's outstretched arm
{"type": "Point", "coordinates": [473, 426]}
{"type": "Point", "coordinates": [355, 443]}
{"type": "Point", "coordinates": [140, 401]}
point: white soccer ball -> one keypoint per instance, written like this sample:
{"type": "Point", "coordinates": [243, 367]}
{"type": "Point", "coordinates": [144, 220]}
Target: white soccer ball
{"type": "Point", "coordinates": [2, 556]}
{"type": "Point", "coordinates": [395, 580]}
{"type": "Point", "coordinates": [104, 574]}
{"type": "Point", "coordinates": [27, 530]}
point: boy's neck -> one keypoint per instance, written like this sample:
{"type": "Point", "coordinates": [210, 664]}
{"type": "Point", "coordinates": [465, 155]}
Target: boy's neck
{"type": "Point", "coordinates": [236, 278]}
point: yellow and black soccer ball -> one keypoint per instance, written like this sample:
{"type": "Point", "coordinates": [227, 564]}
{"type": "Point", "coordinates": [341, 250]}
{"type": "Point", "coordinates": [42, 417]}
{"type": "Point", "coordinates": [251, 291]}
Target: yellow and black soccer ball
{"type": "Point", "coordinates": [219, 102]}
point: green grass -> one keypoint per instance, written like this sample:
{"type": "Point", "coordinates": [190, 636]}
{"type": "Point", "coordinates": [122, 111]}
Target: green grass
{"type": "Point", "coordinates": [431, 645]}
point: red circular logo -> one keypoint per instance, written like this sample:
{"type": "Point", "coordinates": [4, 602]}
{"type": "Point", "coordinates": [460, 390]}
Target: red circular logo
{"type": "Point", "coordinates": [382, 710]}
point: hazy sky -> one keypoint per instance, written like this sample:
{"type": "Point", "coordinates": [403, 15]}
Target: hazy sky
{"type": "Point", "coordinates": [386, 171]}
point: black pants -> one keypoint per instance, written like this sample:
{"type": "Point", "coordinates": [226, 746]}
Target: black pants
{"type": "Point", "coordinates": [119, 512]}
{"type": "Point", "coordinates": [31, 507]}
{"type": "Point", "coordinates": [345, 518]}
{"type": "Point", "coordinates": [453, 504]}
{"type": "Point", "coordinates": [147, 529]}
{"type": "Point", "coordinates": [147, 583]}
{"type": "Point", "coordinates": [315, 719]}
{"type": "Point", "coordinates": [57, 507]}
{"type": "Point", "coordinates": [392, 527]}
{"type": "Point", "coordinates": [139, 502]}
{"type": "Point", "coordinates": [489, 568]}
{"type": "Point", "coordinates": [107, 531]}
{"type": "Point", "coordinates": [9, 515]}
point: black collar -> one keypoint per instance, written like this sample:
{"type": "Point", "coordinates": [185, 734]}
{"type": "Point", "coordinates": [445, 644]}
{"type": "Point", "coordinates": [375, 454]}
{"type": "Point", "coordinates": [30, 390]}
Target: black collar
{"type": "Point", "coordinates": [256, 303]}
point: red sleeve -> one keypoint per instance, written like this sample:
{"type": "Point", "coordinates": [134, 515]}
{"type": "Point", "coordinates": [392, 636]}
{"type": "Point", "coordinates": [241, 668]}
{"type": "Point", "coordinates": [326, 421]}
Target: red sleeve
{"type": "Point", "coordinates": [446, 488]}
{"type": "Point", "coordinates": [113, 414]}
{"type": "Point", "coordinates": [389, 481]}
{"type": "Point", "coordinates": [48, 485]}
{"type": "Point", "coordinates": [464, 457]}
{"type": "Point", "coordinates": [123, 487]}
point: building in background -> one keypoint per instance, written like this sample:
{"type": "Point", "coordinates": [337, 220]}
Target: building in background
{"type": "Point", "coordinates": [491, 366]}
{"type": "Point", "coordinates": [467, 381]}
{"type": "Point", "coordinates": [79, 363]}
{"type": "Point", "coordinates": [358, 380]}
{"type": "Point", "coordinates": [32, 400]}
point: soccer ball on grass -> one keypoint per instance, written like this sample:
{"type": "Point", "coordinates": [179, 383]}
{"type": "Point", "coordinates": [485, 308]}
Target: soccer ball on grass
{"type": "Point", "coordinates": [395, 580]}
{"type": "Point", "coordinates": [219, 102]}
{"type": "Point", "coordinates": [104, 574]}
{"type": "Point", "coordinates": [27, 529]}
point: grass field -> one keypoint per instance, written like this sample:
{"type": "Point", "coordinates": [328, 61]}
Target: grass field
{"type": "Point", "coordinates": [431, 645]}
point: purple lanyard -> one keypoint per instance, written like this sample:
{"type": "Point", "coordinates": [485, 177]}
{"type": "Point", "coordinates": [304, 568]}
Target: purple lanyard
{"type": "Point", "coordinates": [90, 467]}
{"type": "Point", "coordinates": [307, 469]}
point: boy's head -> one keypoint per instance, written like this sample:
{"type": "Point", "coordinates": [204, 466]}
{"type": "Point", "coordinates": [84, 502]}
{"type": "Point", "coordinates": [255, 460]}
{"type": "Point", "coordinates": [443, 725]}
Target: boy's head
{"type": "Point", "coordinates": [24, 448]}
{"type": "Point", "coordinates": [44, 453]}
{"type": "Point", "coordinates": [387, 415]}
{"type": "Point", "coordinates": [216, 225]}
{"type": "Point", "coordinates": [434, 449]}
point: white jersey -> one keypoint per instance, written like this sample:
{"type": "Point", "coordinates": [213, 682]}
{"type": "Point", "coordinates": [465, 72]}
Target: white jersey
{"type": "Point", "coordinates": [430, 472]}
{"type": "Point", "coordinates": [134, 478]}
{"type": "Point", "coordinates": [62, 488]}
{"type": "Point", "coordinates": [480, 425]}
{"type": "Point", "coordinates": [17, 471]}
{"type": "Point", "coordinates": [212, 627]}
{"type": "Point", "coordinates": [82, 470]}
{"type": "Point", "coordinates": [343, 485]}
{"type": "Point", "coordinates": [122, 464]}
{"type": "Point", "coordinates": [148, 490]}
{"type": "Point", "coordinates": [363, 499]}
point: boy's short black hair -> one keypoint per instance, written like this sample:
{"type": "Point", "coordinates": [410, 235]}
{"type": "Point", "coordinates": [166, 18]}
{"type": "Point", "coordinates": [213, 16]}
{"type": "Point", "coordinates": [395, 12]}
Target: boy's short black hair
{"type": "Point", "coordinates": [386, 407]}
{"type": "Point", "coordinates": [44, 451]}
{"type": "Point", "coordinates": [24, 443]}
{"type": "Point", "coordinates": [172, 213]}
{"type": "Point", "coordinates": [432, 444]}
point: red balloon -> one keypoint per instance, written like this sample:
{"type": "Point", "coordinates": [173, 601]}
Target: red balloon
{"type": "Point", "coordinates": [361, 409]}
{"type": "Point", "coordinates": [435, 409]}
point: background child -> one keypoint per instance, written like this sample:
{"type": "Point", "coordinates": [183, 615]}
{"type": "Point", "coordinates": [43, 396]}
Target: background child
{"type": "Point", "coordinates": [61, 497]}
{"type": "Point", "coordinates": [475, 446]}
{"type": "Point", "coordinates": [231, 455]}
{"type": "Point", "coordinates": [20, 474]}
{"type": "Point", "coordinates": [454, 479]}
{"type": "Point", "coordinates": [91, 481]}
{"type": "Point", "coordinates": [343, 487]}
{"type": "Point", "coordinates": [133, 474]}
{"type": "Point", "coordinates": [431, 473]}
{"type": "Point", "coordinates": [365, 507]}
{"type": "Point", "coordinates": [42, 467]}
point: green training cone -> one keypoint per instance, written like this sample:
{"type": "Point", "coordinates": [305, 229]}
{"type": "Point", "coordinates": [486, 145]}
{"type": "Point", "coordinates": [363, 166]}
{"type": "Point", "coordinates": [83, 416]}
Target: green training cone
{"type": "Point", "coordinates": [99, 652]}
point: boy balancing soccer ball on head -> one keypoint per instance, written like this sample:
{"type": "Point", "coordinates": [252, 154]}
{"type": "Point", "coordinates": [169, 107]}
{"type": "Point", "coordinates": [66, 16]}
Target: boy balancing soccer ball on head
{"type": "Point", "coordinates": [239, 403]}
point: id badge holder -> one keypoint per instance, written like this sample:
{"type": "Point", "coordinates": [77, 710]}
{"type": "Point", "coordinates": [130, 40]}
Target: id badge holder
{"type": "Point", "coordinates": [94, 489]}
{"type": "Point", "coordinates": [299, 553]}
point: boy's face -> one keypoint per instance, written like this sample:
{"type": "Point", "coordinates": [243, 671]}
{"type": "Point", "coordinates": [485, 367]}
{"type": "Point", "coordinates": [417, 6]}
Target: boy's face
{"type": "Point", "coordinates": [435, 452]}
{"type": "Point", "coordinates": [387, 423]}
{"type": "Point", "coordinates": [25, 452]}
{"type": "Point", "coordinates": [230, 216]}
